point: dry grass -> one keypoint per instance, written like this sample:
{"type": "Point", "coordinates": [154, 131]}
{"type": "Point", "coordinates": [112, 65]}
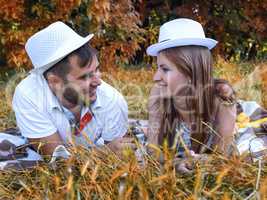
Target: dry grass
{"type": "Point", "coordinates": [102, 175]}
{"type": "Point", "coordinates": [135, 86]}
{"type": "Point", "coordinates": [249, 80]}
{"type": "Point", "coordinates": [94, 175]}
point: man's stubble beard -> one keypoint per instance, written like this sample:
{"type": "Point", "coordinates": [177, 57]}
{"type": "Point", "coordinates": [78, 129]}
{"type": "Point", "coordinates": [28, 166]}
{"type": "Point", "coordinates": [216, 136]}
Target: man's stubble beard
{"type": "Point", "coordinates": [74, 96]}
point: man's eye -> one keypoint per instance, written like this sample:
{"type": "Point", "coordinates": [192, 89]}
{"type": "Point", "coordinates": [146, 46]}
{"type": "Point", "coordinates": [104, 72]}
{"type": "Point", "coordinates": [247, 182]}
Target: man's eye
{"type": "Point", "coordinates": [86, 76]}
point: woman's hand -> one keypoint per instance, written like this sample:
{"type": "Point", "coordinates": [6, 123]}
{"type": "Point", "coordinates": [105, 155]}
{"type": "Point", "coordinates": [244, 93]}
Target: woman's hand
{"type": "Point", "coordinates": [224, 90]}
{"type": "Point", "coordinates": [186, 165]}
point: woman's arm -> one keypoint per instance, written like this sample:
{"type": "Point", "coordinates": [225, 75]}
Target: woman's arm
{"type": "Point", "coordinates": [225, 126]}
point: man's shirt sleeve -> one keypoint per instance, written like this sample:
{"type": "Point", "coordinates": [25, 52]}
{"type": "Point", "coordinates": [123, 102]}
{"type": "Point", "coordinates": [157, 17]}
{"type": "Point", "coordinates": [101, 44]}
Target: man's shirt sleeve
{"type": "Point", "coordinates": [32, 121]}
{"type": "Point", "coordinates": [116, 120]}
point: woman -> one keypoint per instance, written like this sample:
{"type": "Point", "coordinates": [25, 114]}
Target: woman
{"type": "Point", "coordinates": [185, 107]}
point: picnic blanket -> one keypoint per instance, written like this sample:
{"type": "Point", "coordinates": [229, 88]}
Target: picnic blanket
{"type": "Point", "coordinates": [16, 152]}
{"type": "Point", "coordinates": [251, 124]}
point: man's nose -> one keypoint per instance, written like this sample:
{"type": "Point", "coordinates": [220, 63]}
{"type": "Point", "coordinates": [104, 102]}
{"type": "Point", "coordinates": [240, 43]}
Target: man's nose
{"type": "Point", "coordinates": [96, 79]}
{"type": "Point", "coordinates": [157, 76]}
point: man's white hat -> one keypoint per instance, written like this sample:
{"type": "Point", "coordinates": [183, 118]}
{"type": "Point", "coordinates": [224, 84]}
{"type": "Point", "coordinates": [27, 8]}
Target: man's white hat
{"type": "Point", "coordinates": [50, 45]}
{"type": "Point", "coordinates": [180, 32]}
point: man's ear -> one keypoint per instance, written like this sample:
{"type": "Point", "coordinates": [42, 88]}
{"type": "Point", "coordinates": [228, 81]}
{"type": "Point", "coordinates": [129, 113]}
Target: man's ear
{"type": "Point", "coordinates": [54, 81]}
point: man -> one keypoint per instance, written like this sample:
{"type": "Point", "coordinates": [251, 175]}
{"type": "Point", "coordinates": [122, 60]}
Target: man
{"type": "Point", "coordinates": [63, 100]}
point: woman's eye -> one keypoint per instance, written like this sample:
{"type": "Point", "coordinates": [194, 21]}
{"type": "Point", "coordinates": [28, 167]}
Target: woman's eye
{"type": "Point", "coordinates": [165, 69]}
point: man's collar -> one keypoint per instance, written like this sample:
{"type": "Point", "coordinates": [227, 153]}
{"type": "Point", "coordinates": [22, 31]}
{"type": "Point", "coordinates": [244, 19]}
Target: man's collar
{"type": "Point", "coordinates": [51, 100]}
{"type": "Point", "coordinates": [97, 103]}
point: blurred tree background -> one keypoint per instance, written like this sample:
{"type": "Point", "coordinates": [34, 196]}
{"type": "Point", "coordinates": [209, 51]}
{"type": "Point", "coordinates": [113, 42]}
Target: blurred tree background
{"type": "Point", "coordinates": [124, 28]}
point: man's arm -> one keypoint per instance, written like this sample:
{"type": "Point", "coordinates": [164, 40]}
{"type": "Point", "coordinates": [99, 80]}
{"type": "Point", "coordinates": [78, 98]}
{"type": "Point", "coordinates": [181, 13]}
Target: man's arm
{"type": "Point", "coordinates": [115, 120]}
{"type": "Point", "coordinates": [46, 145]}
{"type": "Point", "coordinates": [35, 123]}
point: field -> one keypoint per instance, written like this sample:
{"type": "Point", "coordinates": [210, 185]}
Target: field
{"type": "Point", "coordinates": [103, 175]}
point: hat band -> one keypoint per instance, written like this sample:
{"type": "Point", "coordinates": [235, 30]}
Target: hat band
{"type": "Point", "coordinates": [164, 40]}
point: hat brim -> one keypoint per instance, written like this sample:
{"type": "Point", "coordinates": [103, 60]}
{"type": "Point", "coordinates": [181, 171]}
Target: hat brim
{"type": "Point", "coordinates": [154, 49]}
{"type": "Point", "coordinates": [61, 53]}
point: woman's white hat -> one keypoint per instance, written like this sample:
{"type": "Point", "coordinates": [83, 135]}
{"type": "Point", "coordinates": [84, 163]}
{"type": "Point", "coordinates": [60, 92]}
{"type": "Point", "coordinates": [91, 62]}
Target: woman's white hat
{"type": "Point", "coordinates": [180, 32]}
{"type": "Point", "coordinates": [50, 45]}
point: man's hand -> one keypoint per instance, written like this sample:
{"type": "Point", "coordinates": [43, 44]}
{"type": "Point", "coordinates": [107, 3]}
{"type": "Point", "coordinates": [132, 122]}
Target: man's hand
{"type": "Point", "coordinates": [119, 144]}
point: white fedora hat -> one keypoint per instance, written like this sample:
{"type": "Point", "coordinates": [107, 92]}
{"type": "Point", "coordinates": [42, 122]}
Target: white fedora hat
{"type": "Point", "coordinates": [50, 45]}
{"type": "Point", "coordinates": [180, 32]}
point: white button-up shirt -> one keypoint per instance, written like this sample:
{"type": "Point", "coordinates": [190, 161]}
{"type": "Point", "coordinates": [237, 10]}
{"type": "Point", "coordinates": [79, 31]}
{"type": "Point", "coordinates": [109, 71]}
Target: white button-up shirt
{"type": "Point", "coordinates": [39, 113]}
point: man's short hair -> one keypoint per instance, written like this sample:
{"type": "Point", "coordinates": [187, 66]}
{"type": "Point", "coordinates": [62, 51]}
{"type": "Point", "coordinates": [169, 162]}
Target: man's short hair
{"type": "Point", "coordinates": [85, 56]}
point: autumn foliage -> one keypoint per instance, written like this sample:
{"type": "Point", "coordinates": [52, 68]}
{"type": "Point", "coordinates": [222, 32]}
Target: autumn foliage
{"type": "Point", "coordinates": [114, 23]}
{"type": "Point", "coordinates": [239, 26]}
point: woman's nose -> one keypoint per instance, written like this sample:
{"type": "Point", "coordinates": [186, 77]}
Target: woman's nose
{"type": "Point", "coordinates": [157, 76]}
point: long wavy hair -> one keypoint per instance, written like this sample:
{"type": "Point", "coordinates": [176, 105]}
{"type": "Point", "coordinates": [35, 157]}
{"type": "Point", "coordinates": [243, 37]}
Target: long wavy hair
{"type": "Point", "coordinates": [196, 63]}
